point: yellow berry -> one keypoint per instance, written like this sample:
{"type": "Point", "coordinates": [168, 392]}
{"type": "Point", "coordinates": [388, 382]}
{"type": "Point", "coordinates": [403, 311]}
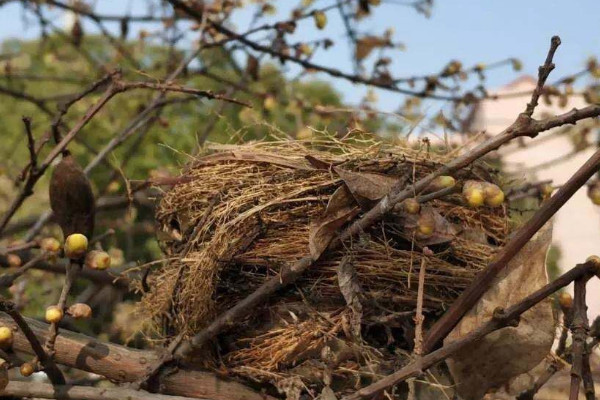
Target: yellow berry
{"type": "Point", "coordinates": [412, 206]}
{"type": "Point", "coordinates": [50, 245]}
{"type": "Point", "coordinates": [426, 225]}
{"type": "Point", "coordinates": [96, 259]}
{"type": "Point", "coordinates": [14, 260]}
{"type": "Point", "coordinates": [6, 337]}
{"type": "Point", "coordinates": [26, 369]}
{"type": "Point", "coordinates": [320, 19]}
{"type": "Point", "coordinates": [75, 246]}
{"type": "Point", "coordinates": [54, 314]}
{"type": "Point", "coordinates": [80, 311]}
{"type": "Point", "coordinates": [494, 196]}
{"type": "Point", "coordinates": [565, 300]}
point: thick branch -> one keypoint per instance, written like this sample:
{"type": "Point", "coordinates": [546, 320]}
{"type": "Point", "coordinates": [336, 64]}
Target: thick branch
{"type": "Point", "coordinates": [121, 364]}
{"type": "Point", "coordinates": [47, 391]}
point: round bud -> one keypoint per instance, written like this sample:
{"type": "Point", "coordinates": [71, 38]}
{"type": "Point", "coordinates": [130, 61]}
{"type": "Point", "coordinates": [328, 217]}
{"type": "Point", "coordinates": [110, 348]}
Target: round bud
{"type": "Point", "coordinates": [494, 196]}
{"type": "Point", "coordinates": [75, 246]}
{"type": "Point", "coordinates": [14, 260]}
{"type": "Point", "coordinates": [473, 193]}
{"type": "Point", "coordinates": [411, 206]}
{"type": "Point", "coordinates": [320, 19]}
{"type": "Point", "coordinates": [6, 337]}
{"type": "Point", "coordinates": [594, 194]}
{"type": "Point", "coordinates": [26, 369]}
{"type": "Point", "coordinates": [565, 300]}
{"type": "Point", "coordinates": [443, 182]}
{"type": "Point", "coordinates": [96, 259]}
{"type": "Point", "coordinates": [54, 314]}
{"type": "Point", "coordinates": [270, 103]}
{"type": "Point", "coordinates": [80, 311]}
{"type": "Point", "coordinates": [50, 245]}
{"type": "Point", "coordinates": [425, 225]}
{"type": "Point", "coordinates": [595, 260]}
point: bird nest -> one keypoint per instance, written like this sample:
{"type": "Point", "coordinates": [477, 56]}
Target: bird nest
{"type": "Point", "coordinates": [243, 212]}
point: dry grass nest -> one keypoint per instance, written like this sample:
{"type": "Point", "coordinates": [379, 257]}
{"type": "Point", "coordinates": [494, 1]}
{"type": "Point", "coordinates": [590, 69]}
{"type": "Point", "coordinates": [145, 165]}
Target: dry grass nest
{"type": "Point", "coordinates": [242, 212]}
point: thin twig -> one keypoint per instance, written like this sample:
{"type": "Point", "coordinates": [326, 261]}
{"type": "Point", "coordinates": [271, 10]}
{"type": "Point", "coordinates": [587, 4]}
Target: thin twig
{"type": "Point", "coordinates": [30, 143]}
{"type": "Point", "coordinates": [55, 375]}
{"type": "Point", "coordinates": [7, 279]}
{"type": "Point", "coordinates": [579, 333]}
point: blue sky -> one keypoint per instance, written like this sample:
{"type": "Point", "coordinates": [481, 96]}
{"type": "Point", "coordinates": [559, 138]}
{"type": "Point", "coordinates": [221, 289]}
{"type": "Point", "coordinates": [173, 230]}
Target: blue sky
{"type": "Point", "coordinates": [472, 31]}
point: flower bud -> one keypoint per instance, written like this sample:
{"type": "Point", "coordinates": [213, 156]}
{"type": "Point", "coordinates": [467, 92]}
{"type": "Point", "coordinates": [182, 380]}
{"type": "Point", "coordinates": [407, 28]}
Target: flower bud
{"type": "Point", "coordinates": [80, 311]}
{"type": "Point", "coordinates": [54, 314]}
{"type": "Point", "coordinates": [14, 260]}
{"type": "Point", "coordinates": [411, 206]}
{"type": "Point", "coordinates": [442, 182]}
{"type": "Point", "coordinates": [270, 103]}
{"type": "Point", "coordinates": [494, 196]}
{"type": "Point", "coordinates": [473, 193]}
{"type": "Point", "coordinates": [50, 244]}
{"type": "Point", "coordinates": [565, 300]}
{"type": "Point", "coordinates": [26, 369]}
{"type": "Point", "coordinates": [425, 225]}
{"type": "Point", "coordinates": [6, 337]}
{"type": "Point", "coordinates": [320, 19]}
{"type": "Point", "coordinates": [96, 259]}
{"type": "Point", "coordinates": [546, 190]}
{"type": "Point", "coordinates": [594, 194]}
{"type": "Point", "coordinates": [75, 246]}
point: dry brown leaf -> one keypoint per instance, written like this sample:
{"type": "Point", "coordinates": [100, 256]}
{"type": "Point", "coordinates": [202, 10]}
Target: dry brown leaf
{"type": "Point", "coordinates": [252, 155]}
{"type": "Point", "coordinates": [511, 351]}
{"type": "Point", "coordinates": [340, 210]}
{"type": "Point", "coordinates": [327, 394]}
{"type": "Point", "coordinates": [366, 186]}
{"type": "Point", "coordinates": [351, 290]}
{"type": "Point", "coordinates": [365, 45]}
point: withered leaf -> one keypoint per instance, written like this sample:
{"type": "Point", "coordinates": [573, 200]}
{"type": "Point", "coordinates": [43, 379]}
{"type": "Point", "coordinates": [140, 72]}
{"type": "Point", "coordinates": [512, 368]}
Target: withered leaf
{"type": "Point", "coordinates": [510, 351]}
{"type": "Point", "coordinates": [351, 290]}
{"type": "Point", "coordinates": [444, 231]}
{"type": "Point", "coordinates": [318, 164]}
{"type": "Point", "coordinates": [365, 45]}
{"type": "Point", "coordinates": [327, 394]}
{"type": "Point", "coordinates": [340, 210]}
{"type": "Point", "coordinates": [366, 185]}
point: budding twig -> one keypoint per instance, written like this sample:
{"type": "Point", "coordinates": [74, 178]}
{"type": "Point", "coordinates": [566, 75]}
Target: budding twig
{"type": "Point", "coordinates": [55, 375]}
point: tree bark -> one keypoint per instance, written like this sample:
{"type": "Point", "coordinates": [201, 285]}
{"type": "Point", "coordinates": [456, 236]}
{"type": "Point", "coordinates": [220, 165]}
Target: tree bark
{"type": "Point", "coordinates": [121, 364]}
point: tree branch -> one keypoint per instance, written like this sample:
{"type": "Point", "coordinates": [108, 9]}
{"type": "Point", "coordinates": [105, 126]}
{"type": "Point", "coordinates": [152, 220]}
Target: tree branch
{"type": "Point", "coordinates": [501, 318]}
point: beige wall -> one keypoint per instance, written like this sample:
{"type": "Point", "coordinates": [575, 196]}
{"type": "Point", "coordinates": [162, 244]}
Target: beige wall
{"type": "Point", "coordinates": [577, 224]}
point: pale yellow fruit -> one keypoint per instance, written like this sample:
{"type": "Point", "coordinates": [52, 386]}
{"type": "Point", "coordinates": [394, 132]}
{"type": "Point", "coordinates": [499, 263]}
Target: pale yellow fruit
{"type": "Point", "coordinates": [54, 314]}
{"type": "Point", "coordinates": [494, 196]}
{"type": "Point", "coordinates": [565, 300]}
{"type": "Point", "coordinates": [6, 337]}
{"type": "Point", "coordinates": [412, 206]}
{"type": "Point", "coordinates": [26, 369]}
{"type": "Point", "coordinates": [320, 19]}
{"type": "Point", "coordinates": [50, 245]}
{"type": "Point", "coordinates": [426, 225]}
{"type": "Point", "coordinates": [80, 311]}
{"type": "Point", "coordinates": [96, 259]}
{"type": "Point", "coordinates": [75, 246]}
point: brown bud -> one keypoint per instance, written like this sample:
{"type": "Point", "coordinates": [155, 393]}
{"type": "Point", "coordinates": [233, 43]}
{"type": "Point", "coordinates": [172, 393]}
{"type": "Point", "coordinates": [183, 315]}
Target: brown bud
{"type": "Point", "coordinates": [50, 245]}
{"type": "Point", "coordinates": [26, 369]}
{"type": "Point", "coordinates": [412, 206]}
{"type": "Point", "coordinates": [14, 260]}
{"type": "Point", "coordinates": [565, 300]}
{"type": "Point", "coordinates": [97, 260]}
{"type": "Point", "coordinates": [80, 311]}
